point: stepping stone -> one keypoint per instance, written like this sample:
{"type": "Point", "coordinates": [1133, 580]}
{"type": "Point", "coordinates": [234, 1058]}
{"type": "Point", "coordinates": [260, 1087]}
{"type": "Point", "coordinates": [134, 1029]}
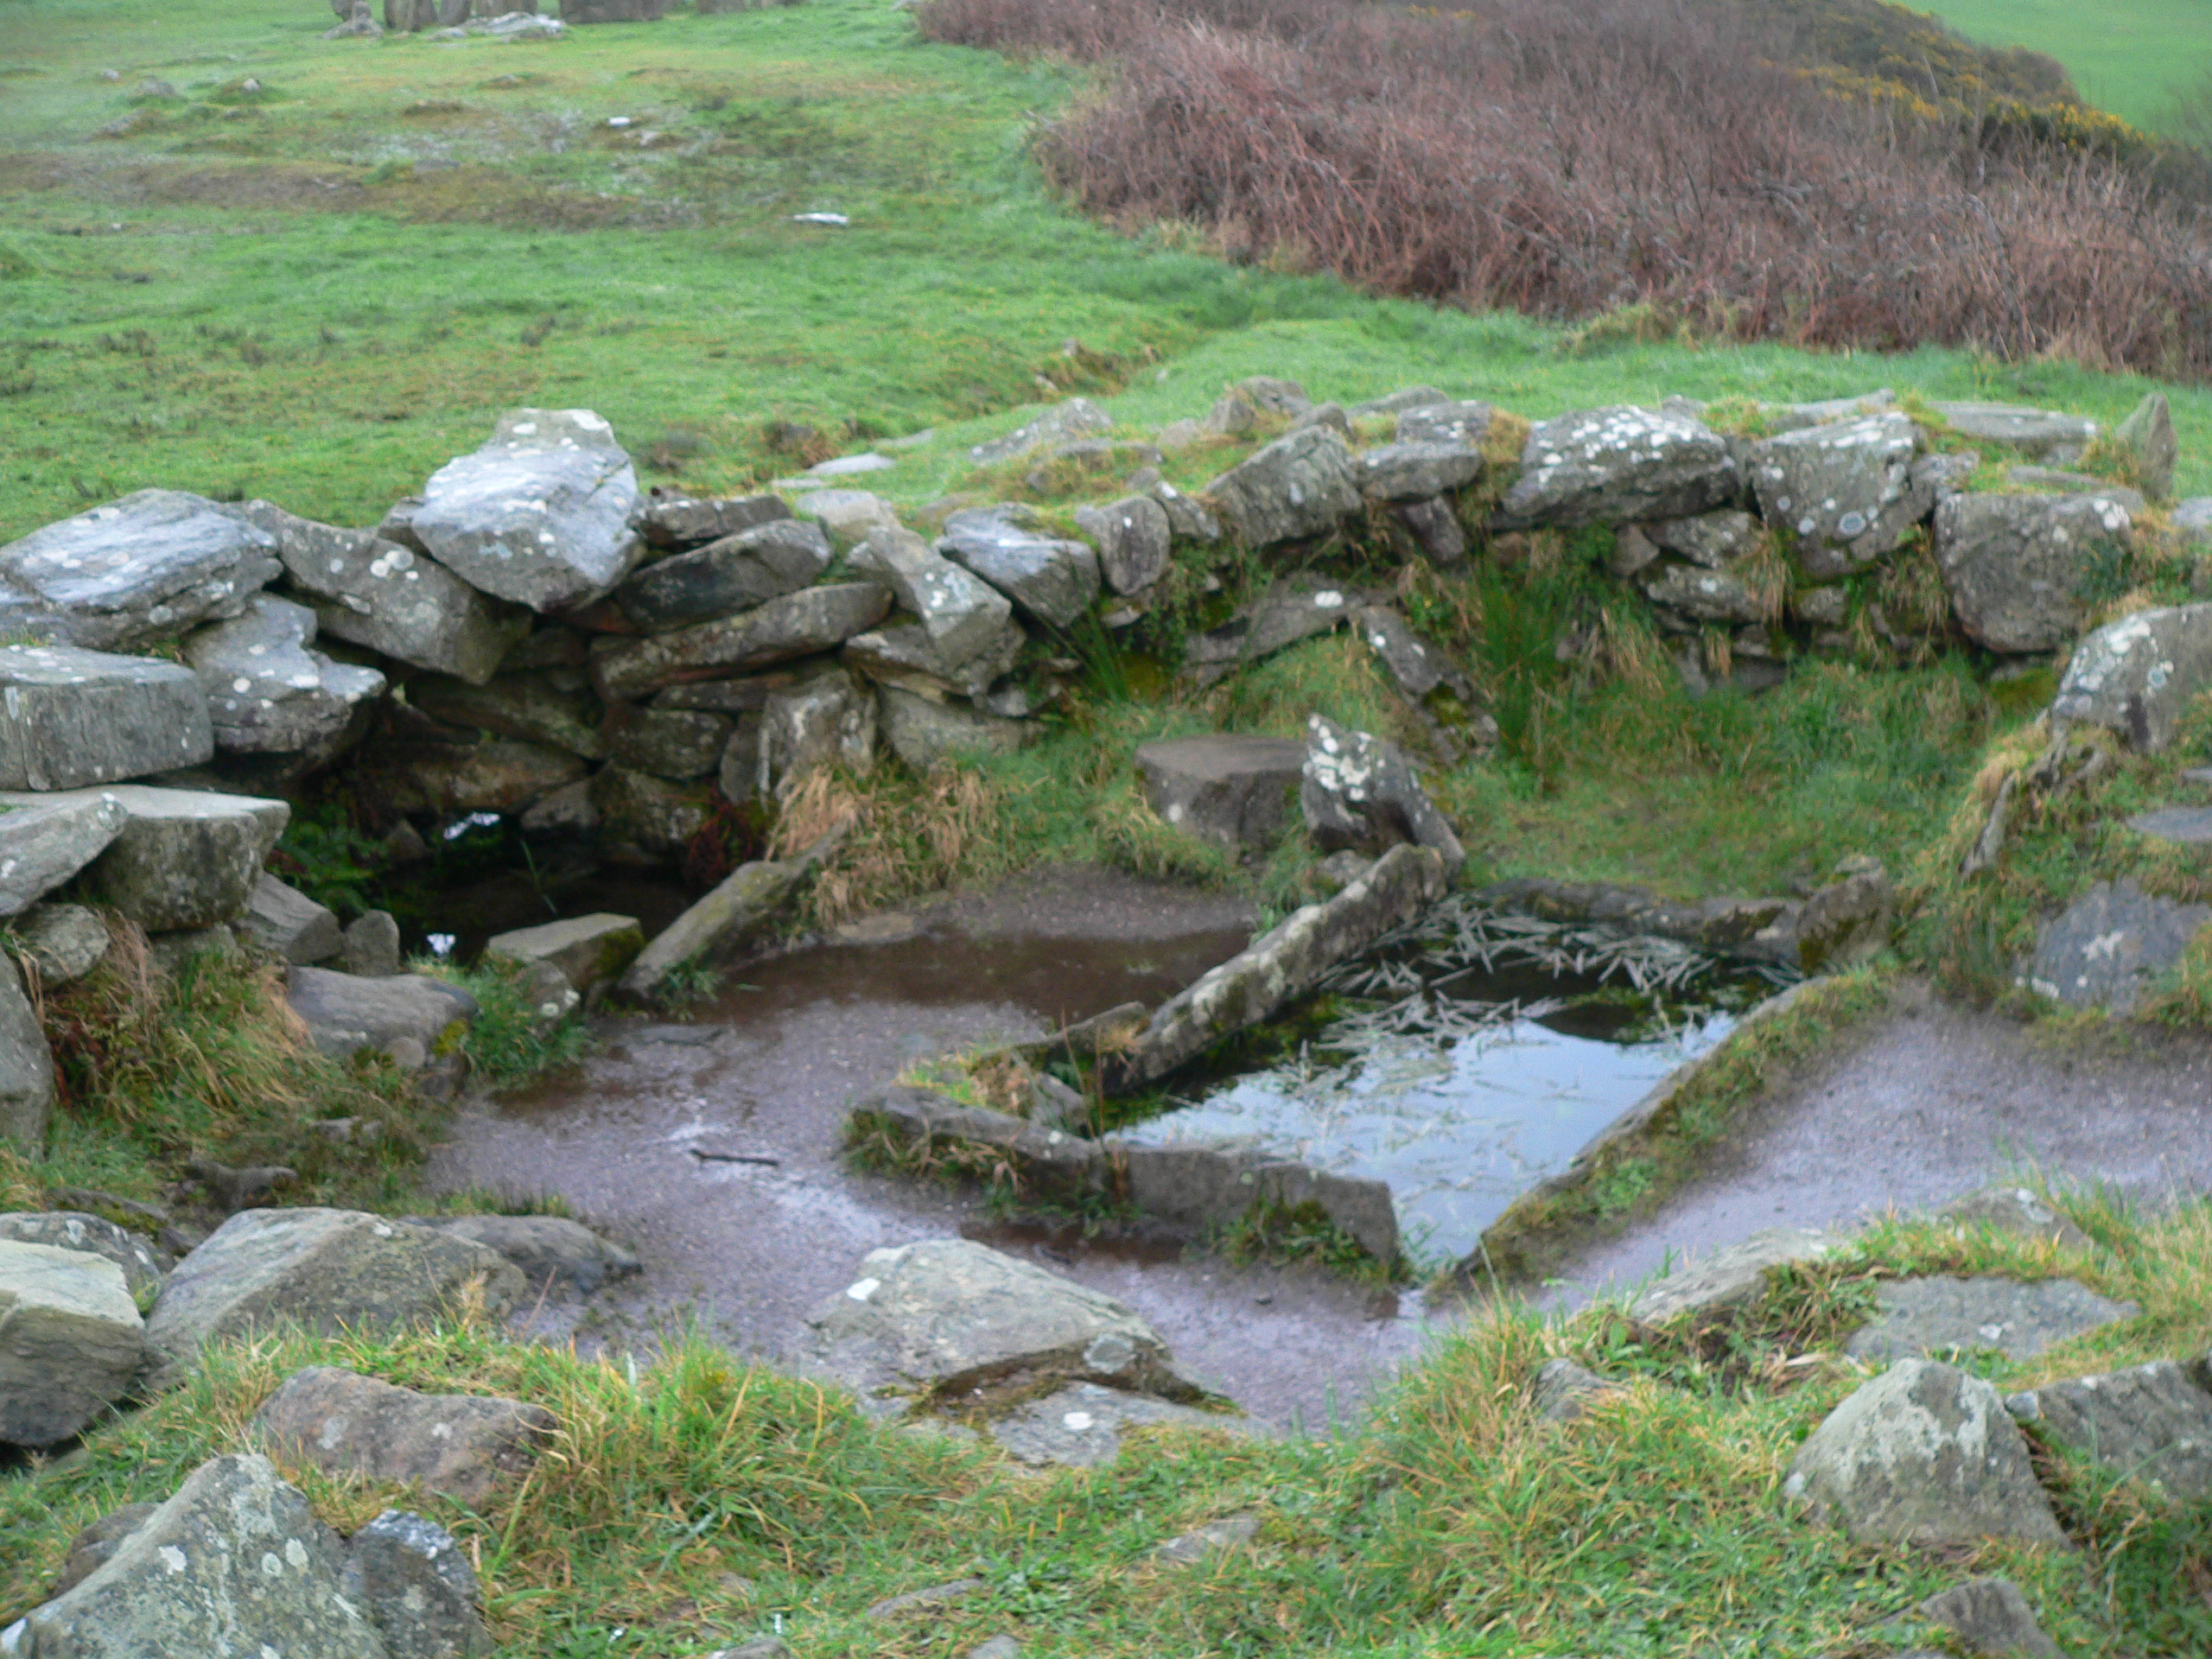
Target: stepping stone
{"type": "Point", "coordinates": [1081, 1428]}
{"type": "Point", "coordinates": [2189, 826]}
{"type": "Point", "coordinates": [1933, 1315]}
{"type": "Point", "coordinates": [2150, 1422]}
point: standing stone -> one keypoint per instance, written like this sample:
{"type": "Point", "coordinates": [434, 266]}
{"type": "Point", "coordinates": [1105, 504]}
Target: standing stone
{"type": "Point", "coordinates": [75, 1229]}
{"type": "Point", "coordinates": [71, 1341]}
{"type": "Point", "coordinates": [184, 858]}
{"type": "Point", "coordinates": [1359, 791]}
{"type": "Point", "coordinates": [2017, 565]}
{"type": "Point", "coordinates": [2136, 677]}
{"type": "Point", "coordinates": [2147, 435]}
{"type": "Point", "coordinates": [1233, 789]}
{"type": "Point", "coordinates": [1847, 921]}
{"type": "Point", "coordinates": [2149, 1423]}
{"type": "Point", "coordinates": [65, 942]}
{"type": "Point", "coordinates": [733, 575]}
{"type": "Point", "coordinates": [1053, 580]}
{"type": "Point", "coordinates": [1846, 492]}
{"type": "Point", "coordinates": [585, 950]}
{"type": "Point", "coordinates": [1605, 466]}
{"type": "Point", "coordinates": [718, 926]}
{"type": "Point", "coordinates": [1301, 485]}
{"type": "Point", "coordinates": [289, 924]}
{"type": "Point", "coordinates": [417, 1587]}
{"type": "Point", "coordinates": [1924, 1454]}
{"type": "Point", "coordinates": [539, 515]}
{"type": "Point", "coordinates": [133, 572]}
{"type": "Point", "coordinates": [371, 946]}
{"type": "Point", "coordinates": [961, 615]}
{"type": "Point", "coordinates": [2110, 944]}
{"type": "Point", "coordinates": [268, 694]}
{"type": "Point", "coordinates": [69, 717]}
{"type": "Point", "coordinates": [465, 1445]}
{"type": "Point", "coordinates": [376, 593]}
{"type": "Point", "coordinates": [798, 624]}
{"type": "Point", "coordinates": [42, 846]}
{"type": "Point", "coordinates": [236, 1563]}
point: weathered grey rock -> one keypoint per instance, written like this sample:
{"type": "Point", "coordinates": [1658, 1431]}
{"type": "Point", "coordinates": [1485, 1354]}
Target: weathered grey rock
{"type": "Point", "coordinates": [540, 515]}
{"type": "Point", "coordinates": [2014, 1209]}
{"type": "Point", "coordinates": [289, 924]}
{"type": "Point", "coordinates": [902, 655]}
{"type": "Point", "coordinates": [678, 744]}
{"type": "Point", "coordinates": [548, 1248]}
{"type": "Point", "coordinates": [1606, 465]}
{"type": "Point", "coordinates": [1292, 609]}
{"type": "Point", "coordinates": [74, 1230]}
{"type": "Point", "coordinates": [922, 733]}
{"type": "Point", "coordinates": [410, 1017]}
{"type": "Point", "coordinates": [1205, 1184]}
{"type": "Point", "coordinates": [1923, 1454]}
{"type": "Point", "coordinates": [647, 820]}
{"type": "Point", "coordinates": [536, 706]}
{"type": "Point", "coordinates": [1202, 1543]}
{"type": "Point", "coordinates": [948, 1314]}
{"type": "Point", "coordinates": [1706, 595]}
{"type": "Point", "coordinates": [71, 717]}
{"type": "Point", "coordinates": [1230, 788]}
{"type": "Point", "coordinates": [1361, 791]}
{"type": "Point", "coordinates": [2193, 519]}
{"type": "Point", "coordinates": [134, 572]}
{"type": "Point", "coordinates": [2048, 478]}
{"type": "Point", "coordinates": [2107, 946]}
{"type": "Point", "coordinates": [440, 773]}
{"type": "Point", "coordinates": [184, 858]}
{"type": "Point", "coordinates": [1053, 580]}
{"type": "Point", "coordinates": [1435, 529]}
{"type": "Point", "coordinates": [1303, 485]}
{"type": "Point", "coordinates": [1562, 1391]}
{"type": "Point", "coordinates": [566, 811]}
{"type": "Point", "coordinates": [372, 592]}
{"type": "Point", "coordinates": [42, 846]}
{"type": "Point", "coordinates": [2182, 826]}
{"type": "Point", "coordinates": [71, 1340]}
{"type": "Point", "coordinates": [372, 947]}
{"type": "Point", "coordinates": [1932, 1315]}
{"type": "Point", "coordinates": [586, 949]}
{"type": "Point", "coordinates": [1282, 964]}
{"type": "Point", "coordinates": [2017, 566]}
{"type": "Point", "coordinates": [417, 1587]}
{"type": "Point", "coordinates": [1992, 1618]}
{"type": "Point", "coordinates": [2038, 431]}
{"type": "Point", "coordinates": [1398, 402]}
{"type": "Point", "coordinates": [1418, 472]}
{"type": "Point", "coordinates": [1187, 521]}
{"type": "Point", "coordinates": [1847, 921]}
{"type": "Point", "coordinates": [465, 1445]}
{"type": "Point", "coordinates": [925, 1599]}
{"type": "Point", "coordinates": [64, 941]}
{"type": "Point", "coordinates": [829, 720]}
{"type": "Point", "coordinates": [848, 516]}
{"type": "Point", "coordinates": [90, 1549]}
{"type": "Point", "coordinates": [1846, 491]}
{"type": "Point", "coordinates": [729, 919]}
{"type": "Point", "coordinates": [669, 518]}
{"type": "Point", "coordinates": [733, 575]}
{"type": "Point", "coordinates": [1001, 1646]}
{"type": "Point", "coordinates": [798, 624]}
{"type": "Point", "coordinates": [235, 1563]}
{"type": "Point", "coordinates": [1081, 1427]}
{"type": "Point", "coordinates": [1712, 539]}
{"type": "Point", "coordinates": [2151, 1423]}
{"type": "Point", "coordinates": [962, 616]}
{"type": "Point", "coordinates": [2136, 677]}
{"type": "Point", "coordinates": [1077, 417]}
{"type": "Point", "coordinates": [1465, 423]}
{"type": "Point", "coordinates": [327, 1269]}
{"type": "Point", "coordinates": [1731, 1277]}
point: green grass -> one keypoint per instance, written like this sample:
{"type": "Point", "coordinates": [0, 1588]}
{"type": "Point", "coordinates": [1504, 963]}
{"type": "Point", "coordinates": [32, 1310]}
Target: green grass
{"type": "Point", "coordinates": [2132, 57]}
{"type": "Point", "coordinates": [698, 1501]}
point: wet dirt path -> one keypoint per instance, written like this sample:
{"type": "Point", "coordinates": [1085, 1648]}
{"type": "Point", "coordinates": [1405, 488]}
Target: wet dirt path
{"type": "Point", "coordinates": [768, 1071]}
{"type": "Point", "coordinates": [1925, 1102]}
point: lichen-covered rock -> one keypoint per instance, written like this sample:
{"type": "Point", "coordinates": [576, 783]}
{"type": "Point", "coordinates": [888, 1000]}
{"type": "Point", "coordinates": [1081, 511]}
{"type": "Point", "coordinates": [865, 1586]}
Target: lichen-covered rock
{"type": "Point", "coordinates": [268, 694]}
{"type": "Point", "coordinates": [962, 616]}
{"type": "Point", "coordinates": [1621, 464]}
{"type": "Point", "coordinates": [71, 1340]}
{"type": "Point", "coordinates": [66, 942]}
{"type": "Point", "coordinates": [184, 858]}
{"type": "Point", "coordinates": [71, 717]}
{"type": "Point", "coordinates": [902, 655]}
{"type": "Point", "coordinates": [2136, 677]}
{"type": "Point", "coordinates": [75, 1229]}
{"type": "Point", "coordinates": [798, 624]}
{"type": "Point", "coordinates": [718, 926]}
{"type": "Point", "coordinates": [1418, 472]}
{"type": "Point", "coordinates": [1941, 1312]}
{"type": "Point", "coordinates": [1301, 485]}
{"type": "Point", "coordinates": [415, 1582]}
{"type": "Point", "coordinates": [1708, 595]}
{"type": "Point", "coordinates": [828, 719]}
{"type": "Point", "coordinates": [2149, 1423]}
{"type": "Point", "coordinates": [922, 732]}
{"type": "Point", "coordinates": [734, 574]}
{"type": "Point", "coordinates": [1847, 921]}
{"type": "Point", "coordinates": [467, 1446]}
{"type": "Point", "coordinates": [1728, 1277]}
{"type": "Point", "coordinates": [1712, 539]}
{"type": "Point", "coordinates": [1052, 580]}
{"type": "Point", "coordinates": [27, 1080]}
{"type": "Point", "coordinates": [2107, 948]}
{"type": "Point", "coordinates": [1445, 422]}
{"type": "Point", "coordinates": [670, 517]}
{"type": "Point", "coordinates": [1361, 791]}
{"type": "Point", "coordinates": [2017, 566]}
{"type": "Point", "coordinates": [1846, 492]}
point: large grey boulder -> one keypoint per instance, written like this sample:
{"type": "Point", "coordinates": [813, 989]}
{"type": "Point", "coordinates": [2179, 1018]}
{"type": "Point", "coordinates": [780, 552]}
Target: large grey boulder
{"type": "Point", "coordinates": [1303, 485]}
{"type": "Point", "coordinates": [798, 624]}
{"type": "Point", "coordinates": [903, 655]}
{"type": "Point", "coordinates": [1079, 417]}
{"type": "Point", "coordinates": [76, 1229]}
{"type": "Point", "coordinates": [922, 732]}
{"type": "Point", "coordinates": [1052, 580]}
{"type": "Point", "coordinates": [2107, 947]}
{"type": "Point", "coordinates": [236, 1563]}
{"type": "Point", "coordinates": [1281, 965]}
{"type": "Point", "coordinates": [1729, 1277]}
{"type": "Point", "coordinates": [962, 616]}
{"type": "Point", "coordinates": [71, 1340]}
{"type": "Point", "coordinates": [42, 846]}
{"type": "Point", "coordinates": [536, 706]}
{"type": "Point", "coordinates": [329, 1270]}
{"type": "Point", "coordinates": [27, 1083]}
{"type": "Point", "coordinates": [132, 573]}
{"type": "Point", "coordinates": [467, 1446]}
{"type": "Point", "coordinates": [1228, 787]}
{"type": "Point", "coordinates": [371, 592]}
{"type": "Point", "coordinates": [1360, 791]}
{"type": "Point", "coordinates": [2017, 566]}
{"type": "Point", "coordinates": [947, 1315]}
{"type": "Point", "coordinates": [2136, 677]}
{"type": "Point", "coordinates": [1135, 535]}
{"type": "Point", "coordinates": [733, 575]}
{"type": "Point", "coordinates": [1923, 1454]}
{"type": "Point", "coordinates": [540, 515]}
{"type": "Point", "coordinates": [583, 949]}
{"type": "Point", "coordinates": [2151, 1423]}
{"type": "Point", "coordinates": [1939, 1313]}
{"type": "Point", "coordinates": [2042, 433]}
{"type": "Point", "coordinates": [549, 1250]}
{"type": "Point", "coordinates": [71, 717]}
{"type": "Point", "coordinates": [1608, 466]}
{"type": "Point", "coordinates": [414, 1580]}
{"type": "Point", "coordinates": [1846, 492]}
{"type": "Point", "coordinates": [268, 694]}
{"type": "Point", "coordinates": [669, 518]}
{"type": "Point", "coordinates": [185, 858]}
{"type": "Point", "coordinates": [411, 1018]}
{"type": "Point", "coordinates": [289, 924]}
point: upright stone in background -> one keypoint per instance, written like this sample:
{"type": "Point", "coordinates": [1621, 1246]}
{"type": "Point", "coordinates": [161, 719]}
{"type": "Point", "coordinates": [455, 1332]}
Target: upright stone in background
{"type": "Point", "coordinates": [1360, 791]}
{"type": "Point", "coordinates": [1621, 464]}
{"type": "Point", "coordinates": [70, 717]}
{"type": "Point", "coordinates": [2017, 566]}
{"type": "Point", "coordinates": [2147, 436]}
{"type": "Point", "coordinates": [133, 572]}
{"type": "Point", "coordinates": [540, 515]}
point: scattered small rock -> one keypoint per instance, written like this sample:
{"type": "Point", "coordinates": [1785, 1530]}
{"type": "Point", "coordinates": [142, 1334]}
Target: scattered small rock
{"type": "Point", "coordinates": [465, 1445]}
{"type": "Point", "coordinates": [1990, 1617]}
{"type": "Point", "coordinates": [1563, 1391]}
{"type": "Point", "coordinates": [936, 1596]}
{"type": "Point", "coordinates": [1202, 1543]}
{"type": "Point", "coordinates": [2151, 1423]}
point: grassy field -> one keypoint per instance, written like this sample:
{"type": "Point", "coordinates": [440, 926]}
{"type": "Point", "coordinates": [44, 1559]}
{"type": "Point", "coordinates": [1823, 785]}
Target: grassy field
{"type": "Point", "coordinates": [2132, 57]}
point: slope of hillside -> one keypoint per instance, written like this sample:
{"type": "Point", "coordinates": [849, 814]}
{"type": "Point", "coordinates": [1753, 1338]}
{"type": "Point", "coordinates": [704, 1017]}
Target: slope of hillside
{"type": "Point", "coordinates": [2132, 57]}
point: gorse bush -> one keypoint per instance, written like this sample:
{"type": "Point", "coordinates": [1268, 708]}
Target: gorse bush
{"type": "Point", "coordinates": [1570, 159]}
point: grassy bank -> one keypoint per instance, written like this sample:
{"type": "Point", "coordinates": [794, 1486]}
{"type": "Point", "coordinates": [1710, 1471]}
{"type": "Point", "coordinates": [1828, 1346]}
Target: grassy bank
{"type": "Point", "coordinates": [2133, 57]}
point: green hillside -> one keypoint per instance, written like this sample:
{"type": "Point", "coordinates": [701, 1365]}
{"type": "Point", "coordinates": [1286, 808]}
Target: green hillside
{"type": "Point", "coordinates": [2129, 56]}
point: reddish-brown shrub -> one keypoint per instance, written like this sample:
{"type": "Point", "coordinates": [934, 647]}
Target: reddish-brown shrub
{"type": "Point", "coordinates": [1567, 158]}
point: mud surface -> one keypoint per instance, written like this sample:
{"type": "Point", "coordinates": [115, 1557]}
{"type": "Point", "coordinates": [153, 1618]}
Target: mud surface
{"type": "Point", "coordinates": [768, 1071]}
{"type": "Point", "coordinates": [1926, 1102]}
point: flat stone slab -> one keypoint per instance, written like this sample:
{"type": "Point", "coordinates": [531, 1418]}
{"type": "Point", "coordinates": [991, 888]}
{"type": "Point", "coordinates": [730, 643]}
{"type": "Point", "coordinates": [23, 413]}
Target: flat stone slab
{"type": "Point", "coordinates": [71, 717]}
{"type": "Point", "coordinates": [75, 1229]}
{"type": "Point", "coordinates": [1081, 1428]}
{"type": "Point", "coordinates": [1937, 1314]}
{"type": "Point", "coordinates": [2107, 946]}
{"type": "Point", "coordinates": [1230, 787]}
{"type": "Point", "coordinates": [42, 846]}
{"type": "Point", "coordinates": [2189, 826]}
{"type": "Point", "coordinates": [405, 1015]}
{"type": "Point", "coordinates": [585, 949]}
{"type": "Point", "coordinates": [2151, 1423]}
{"type": "Point", "coordinates": [1730, 1277]}
{"type": "Point", "coordinates": [71, 1340]}
{"type": "Point", "coordinates": [185, 858]}
{"type": "Point", "coordinates": [464, 1445]}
